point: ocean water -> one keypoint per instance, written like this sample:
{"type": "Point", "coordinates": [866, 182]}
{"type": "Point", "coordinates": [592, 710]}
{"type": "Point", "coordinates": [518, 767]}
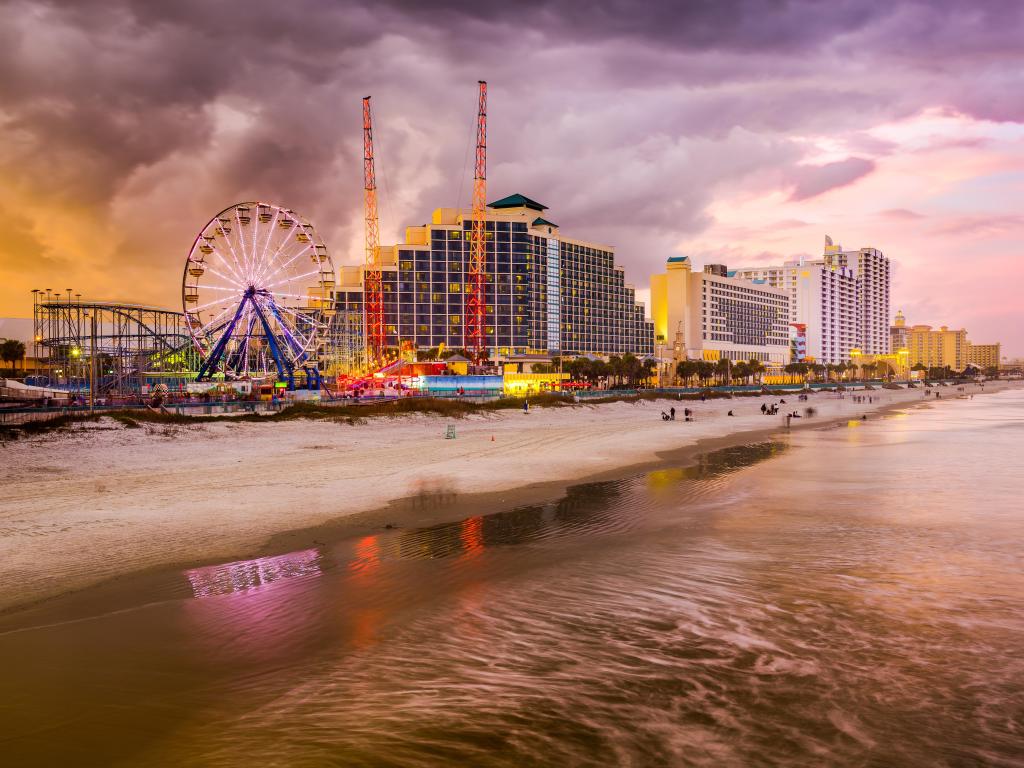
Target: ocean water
{"type": "Point", "coordinates": [851, 596]}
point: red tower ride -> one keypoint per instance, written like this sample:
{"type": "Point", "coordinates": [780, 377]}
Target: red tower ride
{"type": "Point", "coordinates": [373, 291]}
{"type": "Point", "coordinates": [476, 304]}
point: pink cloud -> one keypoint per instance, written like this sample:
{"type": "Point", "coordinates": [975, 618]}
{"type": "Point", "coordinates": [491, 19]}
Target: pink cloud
{"type": "Point", "coordinates": [982, 225]}
{"type": "Point", "coordinates": [813, 180]}
{"type": "Point", "coordinates": [901, 214]}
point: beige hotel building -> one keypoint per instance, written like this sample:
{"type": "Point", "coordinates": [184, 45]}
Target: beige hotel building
{"type": "Point", "coordinates": [711, 316]}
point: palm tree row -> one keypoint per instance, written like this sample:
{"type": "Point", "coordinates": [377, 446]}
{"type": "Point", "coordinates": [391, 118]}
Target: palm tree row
{"type": "Point", "coordinates": [837, 371]}
{"type": "Point", "coordinates": [722, 371]}
{"type": "Point", "coordinates": [620, 370]}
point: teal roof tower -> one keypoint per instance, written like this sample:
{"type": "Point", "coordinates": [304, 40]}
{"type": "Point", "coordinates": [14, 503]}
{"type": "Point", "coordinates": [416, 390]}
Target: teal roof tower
{"type": "Point", "coordinates": [517, 201]}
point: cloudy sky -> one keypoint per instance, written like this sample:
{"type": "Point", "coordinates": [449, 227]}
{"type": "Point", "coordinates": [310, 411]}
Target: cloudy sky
{"type": "Point", "coordinates": [728, 130]}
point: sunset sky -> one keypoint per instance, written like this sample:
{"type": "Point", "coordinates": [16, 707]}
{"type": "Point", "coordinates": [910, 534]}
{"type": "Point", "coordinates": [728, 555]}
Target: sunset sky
{"type": "Point", "coordinates": [739, 132]}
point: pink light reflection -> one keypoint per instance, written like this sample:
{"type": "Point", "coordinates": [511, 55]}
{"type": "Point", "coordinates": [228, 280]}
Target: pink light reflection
{"type": "Point", "coordinates": [244, 575]}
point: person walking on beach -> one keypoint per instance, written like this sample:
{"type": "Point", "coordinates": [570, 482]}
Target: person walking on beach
{"type": "Point", "coordinates": [764, 409]}
{"type": "Point", "coordinates": [672, 412]}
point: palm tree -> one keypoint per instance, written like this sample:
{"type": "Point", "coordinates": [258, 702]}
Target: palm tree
{"type": "Point", "coordinates": [686, 370]}
{"type": "Point", "coordinates": [647, 368]}
{"type": "Point", "coordinates": [722, 369]}
{"type": "Point", "coordinates": [756, 369]}
{"type": "Point", "coordinates": [741, 371]}
{"type": "Point", "coordinates": [12, 351]}
{"type": "Point", "coordinates": [630, 368]}
{"type": "Point", "coordinates": [614, 369]}
{"type": "Point", "coordinates": [705, 371]}
{"type": "Point", "coordinates": [796, 369]}
{"type": "Point", "coordinates": [710, 370]}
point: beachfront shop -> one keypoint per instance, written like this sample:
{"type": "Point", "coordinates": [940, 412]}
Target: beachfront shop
{"type": "Point", "coordinates": [508, 384]}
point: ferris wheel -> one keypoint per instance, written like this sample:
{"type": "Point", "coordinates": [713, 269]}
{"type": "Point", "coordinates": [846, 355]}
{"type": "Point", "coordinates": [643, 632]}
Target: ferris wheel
{"type": "Point", "coordinates": [256, 293]}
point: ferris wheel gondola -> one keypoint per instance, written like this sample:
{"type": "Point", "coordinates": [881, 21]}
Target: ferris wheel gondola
{"type": "Point", "coordinates": [256, 293]}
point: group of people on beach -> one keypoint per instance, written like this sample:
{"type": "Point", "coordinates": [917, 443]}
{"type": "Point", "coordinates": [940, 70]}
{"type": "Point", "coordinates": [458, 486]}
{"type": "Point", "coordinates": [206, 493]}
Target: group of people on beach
{"type": "Point", "coordinates": [766, 409]}
{"type": "Point", "coordinates": [671, 415]}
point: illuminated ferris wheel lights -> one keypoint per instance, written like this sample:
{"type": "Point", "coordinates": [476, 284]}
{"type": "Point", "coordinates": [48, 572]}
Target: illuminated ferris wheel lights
{"type": "Point", "coordinates": [247, 325]}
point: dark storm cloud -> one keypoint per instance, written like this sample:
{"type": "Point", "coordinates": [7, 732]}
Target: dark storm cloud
{"type": "Point", "coordinates": [700, 24]}
{"type": "Point", "coordinates": [627, 118]}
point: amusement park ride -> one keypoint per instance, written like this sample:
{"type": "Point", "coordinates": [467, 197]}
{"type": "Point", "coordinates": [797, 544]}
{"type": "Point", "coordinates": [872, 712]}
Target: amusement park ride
{"type": "Point", "coordinates": [373, 279]}
{"type": "Point", "coordinates": [257, 286]}
{"type": "Point", "coordinates": [476, 306]}
{"type": "Point", "coordinates": [256, 294]}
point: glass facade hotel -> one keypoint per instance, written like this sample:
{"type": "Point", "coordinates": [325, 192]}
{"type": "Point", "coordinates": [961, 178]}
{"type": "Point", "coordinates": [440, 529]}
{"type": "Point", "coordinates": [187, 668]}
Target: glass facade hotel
{"type": "Point", "coordinates": [546, 294]}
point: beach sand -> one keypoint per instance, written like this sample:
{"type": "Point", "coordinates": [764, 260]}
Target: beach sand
{"type": "Point", "coordinates": [99, 501]}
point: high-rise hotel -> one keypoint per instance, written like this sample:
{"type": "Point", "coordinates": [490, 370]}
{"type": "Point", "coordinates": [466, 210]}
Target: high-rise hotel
{"type": "Point", "coordinates": [822, 307]}
{"type": "Point", "coordinates": [840, 302]}
{"type": "Point", "coordinates": [547, 293]}
{"type": "Point", "coordinates": [872, 271]}
{"type": "Point", "coordinates": [711, 316]}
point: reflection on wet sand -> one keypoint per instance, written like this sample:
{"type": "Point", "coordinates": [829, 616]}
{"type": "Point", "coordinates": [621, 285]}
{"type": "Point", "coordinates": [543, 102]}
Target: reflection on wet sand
{"type": "Point", "coordinates": [243, 575]}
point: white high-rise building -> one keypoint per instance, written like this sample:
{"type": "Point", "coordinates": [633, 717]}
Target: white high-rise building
{"type": "Point", "coordinates": [823, 307]}
{"type": "Point", "coordinates": [871, 269]}
{"type": "Point", "coordinates": [837, 303]}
